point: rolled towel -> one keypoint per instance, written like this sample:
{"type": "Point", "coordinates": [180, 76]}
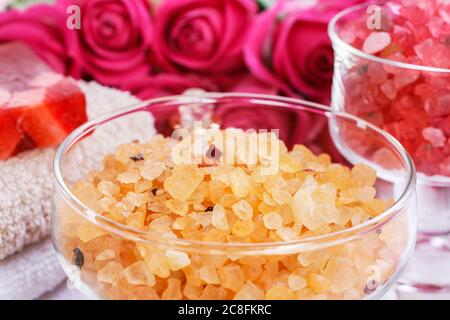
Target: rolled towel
{"type": "Point", "coordinates": [30, 273]}
{"type": "Point", "coordinates": [26, 180]}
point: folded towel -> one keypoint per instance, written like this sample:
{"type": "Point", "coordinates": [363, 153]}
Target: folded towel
{"type": "Point", "coordinates": [30, 273]}
{"type": "Point", "coordinates": [26, 180]}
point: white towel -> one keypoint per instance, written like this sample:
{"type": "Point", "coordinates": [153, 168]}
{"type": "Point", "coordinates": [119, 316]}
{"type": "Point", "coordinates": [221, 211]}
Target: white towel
{"type": "Point", "coordinates": [25, 201]}
{"type": "Point", "coordinates": [30, 273]}
{"type": "Point", "coordinates": [26, 180]}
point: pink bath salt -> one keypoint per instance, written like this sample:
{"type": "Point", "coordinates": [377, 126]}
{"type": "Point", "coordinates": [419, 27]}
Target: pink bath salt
{"type": "Point", "coordinates": [397, 93]}
{"type": "Point", "coordinates": [376, 41]}
{"type": "Point", "coordinates": [443, 103]}
{"type": "Point", "coordinates": [388, 88]}
{"type": "Point", "coordinates": [425, 90]}
{"type": "Point", "coordinates": [435, 136]}
{"type": "Point", "coordinates": [435, 26]}
{"type": "Point", "coordinates": [439, 107]}
{"type": "Point", "coordinates": [377, 73]}
{"type": "Point", "coordinates": [407, 76]}
{"type": "Point", "coordinates": [447, 148]}
{"type": "Point", "coordinates": [443, 123]}
{"type": "Point", "coordinates": [396, 57]}
{"type": "Point", "coordinates": [445, 167]}
{"type": "Point", "coordinates": [433, 53]}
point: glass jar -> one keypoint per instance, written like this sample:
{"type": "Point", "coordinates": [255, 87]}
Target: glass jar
{"type": "Point", "coordinates": [411, 102]}
{"type": "Point", "coordinates": [363, 261]}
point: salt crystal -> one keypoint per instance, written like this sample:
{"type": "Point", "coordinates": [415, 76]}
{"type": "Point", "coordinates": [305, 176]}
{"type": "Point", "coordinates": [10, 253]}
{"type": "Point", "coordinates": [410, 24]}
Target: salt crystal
{"type": "Point", "coordinates": [178, 207]}
{"type": "Point", "coordinates": [363, 175]}
{"type": "Point", "coordinates": [317, 282]}
{"type": "Point", "coordinates": [107, 202]}
{"type": "Point", "coordinates": [110, 273]}
{"type": "Point", "coordinates": [151, 171]}
{"type": "Point", "coordinates": [219, 219]}
{"type": "Point", "coordinates": [240, 182]}
{"type": "Point", "coordinates": [139, 274]}
{"type": "Point", "coordinates": [181, 223]}
{"type": "Point", "coordinates": [243, 210]}
{"type": "Point", "coordinates": [281, 196]}
{"type": "Point", "coordinates": [133, 199]}
{"type": "Point", "coordinates": [232, 277]}
{"type": "Point", "coordinates": [142, 185]}
{"type": "Point", "coordinates": [279, 292]}
{"type": "Point", "coordinates": [131, 176]}
{"type": "Point", "coordinates": [183, 182]}
{"type": "Point", "coordinates": [405, 78]}
{"type": "Point", "coordinates": [286, 234]}
{"type": "Point", "coordinates": [296, 282]}
{"type": "Point", "coordinates": [341, 274]}
{"type": "Point", "coordinates": [173, 290]}
{"type": "Point", "coordinates": [177, 259]}
{"type": "Point", "coordinates": [87, 232]}
{"type": "Point", "coordinates": [376, 41]}
{"type": "Point", "coordinates": [157, 264]}
{"type": "Point", "coordinates": [377, 73]}
{"type": "Point", "coordinates": [435, 136]}
{"type": "Point", "coordinates": [249, 292]}
{"type": "Point", "coordinates": [108, 188]}
{"type": "Point", "coordinates": [272, 221]}
{"type": "Point", "coordinates": [209, 275]}
{"type": "Point", "coordinates": [106, 254]}
{"type": "Point", "coordinates": [242, 228]}
{"type": "Point", "coordinates": [389, 89]}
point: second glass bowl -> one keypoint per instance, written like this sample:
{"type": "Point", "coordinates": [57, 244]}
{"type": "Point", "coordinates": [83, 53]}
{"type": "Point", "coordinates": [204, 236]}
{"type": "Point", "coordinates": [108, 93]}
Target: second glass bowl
{"type": "Point", "coordinates": [101, 255]}
{"type": "Point", "coordinates": [410, 101]}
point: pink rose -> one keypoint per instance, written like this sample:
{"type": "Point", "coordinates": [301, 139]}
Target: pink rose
{"type": "Point", "coordinates": [293, 53]}
{"type": "Point", "coordinates": [203, 36]}
{"type": "Point", "coordinates": [115, 38]}
{"type": "Point", "coordinates": [43, 28]}
{"type": "Point", "coordinates": [339, 5]}
{"type": "Point", "coordinates": [295, 127]}
{"type": "Point", "coordinates": [166, 84]}
{"type": "Point", "coordinates": [249, 84]}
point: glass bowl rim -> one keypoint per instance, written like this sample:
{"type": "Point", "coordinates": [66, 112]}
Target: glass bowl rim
{"type": "Point", "coordinates": [325, 240]}
{"type": "Point", "coordinates": [336, 39]}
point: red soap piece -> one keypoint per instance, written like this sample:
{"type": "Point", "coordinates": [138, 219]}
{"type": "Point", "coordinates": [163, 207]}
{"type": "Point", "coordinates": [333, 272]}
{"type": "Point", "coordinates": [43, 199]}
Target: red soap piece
{"type": "Point", "coordinates": [38, 108]}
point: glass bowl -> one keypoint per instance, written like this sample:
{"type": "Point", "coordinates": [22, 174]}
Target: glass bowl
{"type": "Point", "coordinates": [354, 262]}
{"type": "Point", "coordinates": [405, 99]}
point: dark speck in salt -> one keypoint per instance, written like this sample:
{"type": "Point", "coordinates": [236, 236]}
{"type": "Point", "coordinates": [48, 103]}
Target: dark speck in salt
{"type": "Point", "coordinates": [213, 152]}
{"type": "Point", "coordinates": [363, 69]}
{"type": "Point", "coordinates": [209, 209]}
{"type": "Point", "coordinates": [371, 286]}
{"type": "Point", "coordinates": [154, 191]}
{"type": "Point", "coordinates": [137, 157]}
{"type": "Point", "coordinates": [78, 257]}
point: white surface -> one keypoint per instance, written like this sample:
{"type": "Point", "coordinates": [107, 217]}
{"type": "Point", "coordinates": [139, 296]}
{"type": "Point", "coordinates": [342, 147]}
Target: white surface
{"type": "Point", "coordinates": [4, 4]}
{"type": "Point", "coordinates": [30, 273]}
{"type": "Point", "coordinates": [62, 292]}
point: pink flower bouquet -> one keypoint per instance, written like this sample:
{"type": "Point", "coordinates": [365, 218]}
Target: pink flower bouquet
{"type": "Point", "coordinates": [217, 45]}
